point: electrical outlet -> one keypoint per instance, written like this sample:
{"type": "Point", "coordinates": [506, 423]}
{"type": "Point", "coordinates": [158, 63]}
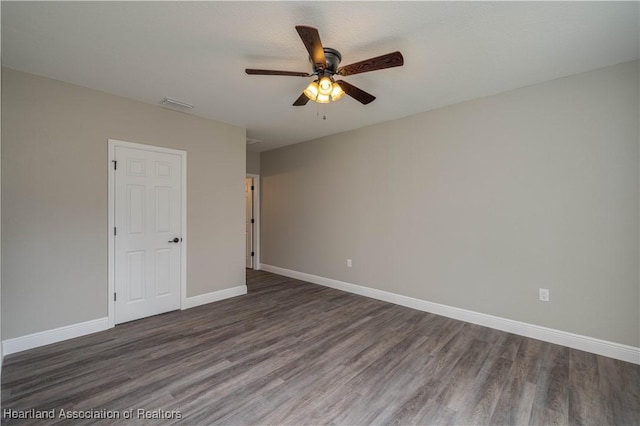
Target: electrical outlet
{"type": "Point", "coordinates": [543, 294]}
{"type": "Point", "coordinates": [349, 264]}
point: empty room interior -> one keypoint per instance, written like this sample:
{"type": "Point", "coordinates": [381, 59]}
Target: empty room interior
{"type": "Point", "coordinates": [318, 212]}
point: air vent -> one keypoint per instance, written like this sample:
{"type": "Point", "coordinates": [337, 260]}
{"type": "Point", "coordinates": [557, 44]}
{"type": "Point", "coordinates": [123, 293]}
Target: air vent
{"type": "Point", "coordinates": [251, 141]}
{"type": "Point", "coordinates": [175, 104]}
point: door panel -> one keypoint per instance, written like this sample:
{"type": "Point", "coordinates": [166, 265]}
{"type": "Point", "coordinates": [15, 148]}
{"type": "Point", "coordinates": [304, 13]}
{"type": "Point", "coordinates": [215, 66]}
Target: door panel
{"type": "Point", "coordinates": [163, 209]}
{"type": "Point", "coordinates": [147, 218]}
{"type": "Point", "coordinates": [163, 272]}
{"type": "Point", "coordinates": [135, 275]}
{"type": "Point", "coordinates": [135, 209]}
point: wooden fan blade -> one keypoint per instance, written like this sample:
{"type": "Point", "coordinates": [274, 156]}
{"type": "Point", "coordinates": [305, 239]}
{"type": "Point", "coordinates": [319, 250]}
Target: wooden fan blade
{"type": "Point", "coordinates": [356, 93]}
{"type": "Point", "coordinates": [311, 40]}
{"type": "Point", "coordinates": [302, 100]}
{"type": "Point", "coordinates": [389, 60]}
{"type": "Point", "coordinates": [273, 72]}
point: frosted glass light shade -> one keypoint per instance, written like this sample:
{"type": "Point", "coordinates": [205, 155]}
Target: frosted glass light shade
{"type": "Point", "coordinates": [311, 91]}
{"type": "Point", "coordinates": [325, 85]}
{"type": "Point", "coordinates": [336, 93]}
{"type": "Point", "coordinates": [323, 99]}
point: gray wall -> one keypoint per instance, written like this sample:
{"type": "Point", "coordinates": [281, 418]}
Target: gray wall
{"type": "Point", "coordinates": [253, 163]}
{"type": "Point", "coordinates": [478, 205]}
{"type": "Point", "coordinates": [54, 198]}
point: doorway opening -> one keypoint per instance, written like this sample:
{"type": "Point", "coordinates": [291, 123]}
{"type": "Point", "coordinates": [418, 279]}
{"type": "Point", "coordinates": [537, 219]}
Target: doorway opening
{"type": "Point", "coordinates": [252, 221]}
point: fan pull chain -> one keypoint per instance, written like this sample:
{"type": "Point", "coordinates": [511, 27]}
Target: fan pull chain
{"type": "Point", "coordinates": [324, 111]}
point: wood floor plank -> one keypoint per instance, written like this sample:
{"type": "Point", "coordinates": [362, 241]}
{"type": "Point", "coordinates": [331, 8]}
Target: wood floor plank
{"type": "Point", "coordinates": [551, 403]}
{"type": "Point", "coordinates": [293, 353]}
{"type": "Point", "coordinates": [515, 403]}
{"type": "Point", "coordinates": [619, 391]}
{"type": "Point", "coordinates": [485, 392]}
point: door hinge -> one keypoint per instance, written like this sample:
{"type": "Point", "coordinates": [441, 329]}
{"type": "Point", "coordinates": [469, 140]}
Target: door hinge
{"type": "Point", "coordinates": [115, 164]}
{"type": "Point", "coordinates": [252, 254]}
{"type": "Point", "coordinates": [115, 297]}
{"type": "Point", "coordinates": [115, 232]}
{"type": "Point", "coordinates": [252, 187]}
{"type": "Point", "coordinates": [253, 221]}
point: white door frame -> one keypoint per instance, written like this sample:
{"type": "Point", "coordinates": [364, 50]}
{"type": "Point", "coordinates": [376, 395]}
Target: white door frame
{"type": "Point", "coordinates": [113, 143]}
{"type": "Point", "coordinates": [256, 216]}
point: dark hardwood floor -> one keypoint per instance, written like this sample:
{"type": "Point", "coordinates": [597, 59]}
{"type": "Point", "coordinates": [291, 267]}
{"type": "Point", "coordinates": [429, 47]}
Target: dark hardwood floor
{"type": "Point", "coordinates": [291, 352]}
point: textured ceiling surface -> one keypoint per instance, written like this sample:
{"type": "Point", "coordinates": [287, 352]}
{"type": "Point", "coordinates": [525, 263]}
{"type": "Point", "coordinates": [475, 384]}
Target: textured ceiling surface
{"type": "Point", "coordinates": [196, 52]}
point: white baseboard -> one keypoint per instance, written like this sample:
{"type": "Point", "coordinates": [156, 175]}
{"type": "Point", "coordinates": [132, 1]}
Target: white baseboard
{"type": "Point", "coordinates": [30, 341]}
{"type": "Point", "coordinates": [202, 299]}
{"type": "Point", "coordinates": [559, 337]}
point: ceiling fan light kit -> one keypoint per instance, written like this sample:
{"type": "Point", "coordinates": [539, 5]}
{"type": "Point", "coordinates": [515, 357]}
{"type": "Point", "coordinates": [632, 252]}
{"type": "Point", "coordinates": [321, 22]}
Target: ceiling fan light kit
{"type": "Point", "coordinates": [324, 90]}
{"type": "Point", "coordinates": [325, 63]}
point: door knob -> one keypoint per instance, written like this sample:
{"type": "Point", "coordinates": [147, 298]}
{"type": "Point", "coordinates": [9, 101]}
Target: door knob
{"type": "Point", "coordinates": [175, 240]}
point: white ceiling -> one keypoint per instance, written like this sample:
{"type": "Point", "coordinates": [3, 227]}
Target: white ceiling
{"type": "Point", "coordinates": [197, 51]}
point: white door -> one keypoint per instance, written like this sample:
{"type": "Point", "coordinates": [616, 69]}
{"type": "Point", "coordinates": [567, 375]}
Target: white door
{"type": "Point", "coordinates": [147, 233]}
{"type": "Point", "coordinates": [248, 195]}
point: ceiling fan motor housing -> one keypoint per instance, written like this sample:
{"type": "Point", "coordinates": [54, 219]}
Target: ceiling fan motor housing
{"type": "Point", "coordinates": [333, 61]}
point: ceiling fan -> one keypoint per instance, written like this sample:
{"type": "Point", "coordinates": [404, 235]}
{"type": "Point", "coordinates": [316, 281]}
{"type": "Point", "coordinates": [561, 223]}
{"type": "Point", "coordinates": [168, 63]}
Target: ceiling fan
{"type": "Point", "coordinates": [325, 65]}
